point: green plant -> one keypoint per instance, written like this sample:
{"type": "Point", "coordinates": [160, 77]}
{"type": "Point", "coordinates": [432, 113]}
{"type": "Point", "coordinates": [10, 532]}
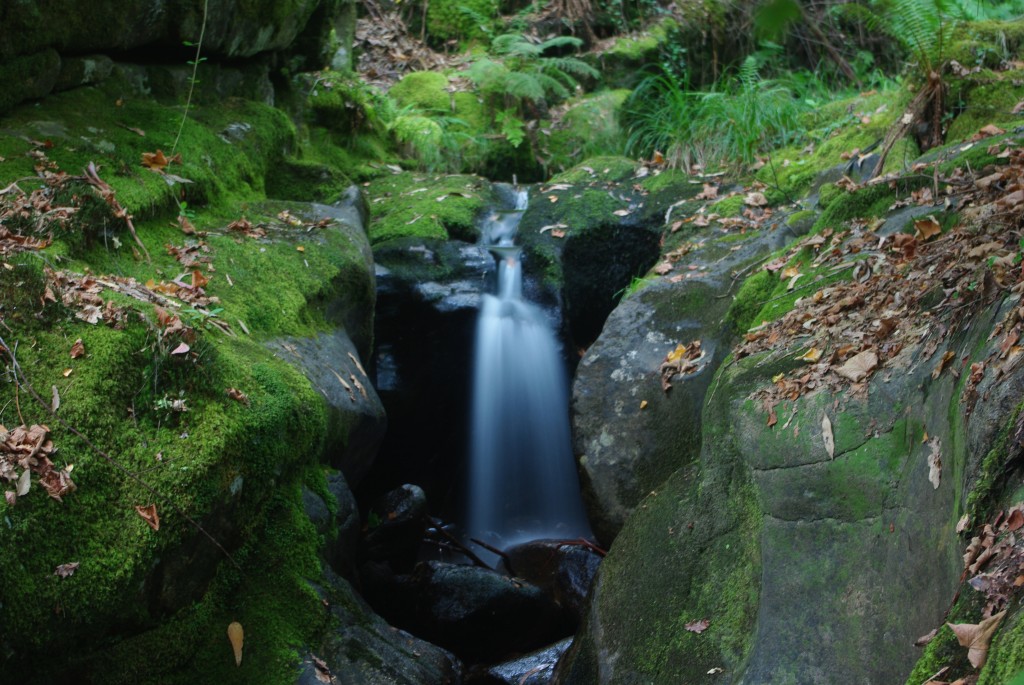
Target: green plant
{"type": "Point", "coordinates": [739, 118]}
{"type": "Point", "coordinates": [436, 141]}
{"type": "Point", "coordinates": [518, 72]}
{"type": "Point", "coordinates": [922, 28]}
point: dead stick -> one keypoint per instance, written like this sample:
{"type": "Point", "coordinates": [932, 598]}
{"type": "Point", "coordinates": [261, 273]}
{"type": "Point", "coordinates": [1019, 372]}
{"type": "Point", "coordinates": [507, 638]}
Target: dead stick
{"type": "Point", "coordinates": [457, 544]}
{"type": "Point", "coordinates": [495, 550]}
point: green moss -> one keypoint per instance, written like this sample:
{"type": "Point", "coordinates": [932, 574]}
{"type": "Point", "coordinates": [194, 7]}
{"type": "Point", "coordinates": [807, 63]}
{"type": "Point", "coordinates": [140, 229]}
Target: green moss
{"type": "Point", "coordinates": [668, 179]}
{"type": "Point", "coordinates": [408, 204]}
{"type": "Point", "coordinates": [984, 103]}
{"type": "Point", "coordinates": [836, 128]}
{"type": "Point", "coordinates": [270, 596]}
{"type": "Point", "coordinates": [729, 206]}
{"type": "Point", "coordinates": [589, 128]}
{"type": "Point", "coordinates": [606, 169]}
{"type": "Point", "coordinates": [750, 298]}
{"type": "Point", "coordinates": [423, 90]}
{"type": "Point", "coordinates": [460, 19]}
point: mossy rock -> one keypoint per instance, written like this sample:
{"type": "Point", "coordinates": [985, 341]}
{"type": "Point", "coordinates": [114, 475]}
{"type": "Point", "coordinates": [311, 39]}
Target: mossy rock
{"type": "Point", "coordinates": [423, 89]}
{"type": "Point", "coordinates": [426, 206]}
{"type": "Point", "coordinates": [839, 129]}
{"type": "Point", "coordinates": [233, 466]}
{"type": "Point", "coordinates": [983, 102]}
{"type": "Point", "coordinates": [28, 77]}
{"type": "Point", "coordinates": [589, 128]}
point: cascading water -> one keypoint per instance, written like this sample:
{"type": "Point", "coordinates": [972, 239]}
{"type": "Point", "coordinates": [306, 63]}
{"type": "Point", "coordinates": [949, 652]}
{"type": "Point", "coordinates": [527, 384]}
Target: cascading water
{"type": "Point", "coordinates": [523, 483]}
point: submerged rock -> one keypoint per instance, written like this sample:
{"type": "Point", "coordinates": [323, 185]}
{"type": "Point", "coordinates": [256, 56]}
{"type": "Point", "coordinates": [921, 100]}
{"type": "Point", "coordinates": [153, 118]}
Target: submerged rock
{"type": "Point", "coordinates": [564, 569]}
{"type": "Point", "coordinates": [536, 668]}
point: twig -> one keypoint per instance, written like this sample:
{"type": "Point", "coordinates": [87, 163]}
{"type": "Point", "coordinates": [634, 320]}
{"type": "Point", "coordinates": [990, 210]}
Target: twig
{"type": "Point", "coordinates": [110, 460]}
{"type": "Point", "coordinates": [192, 81]}
{"type": "Point", "coordinates": [494, 550]}
{"type": "Point", "coordinates": [457, 544]}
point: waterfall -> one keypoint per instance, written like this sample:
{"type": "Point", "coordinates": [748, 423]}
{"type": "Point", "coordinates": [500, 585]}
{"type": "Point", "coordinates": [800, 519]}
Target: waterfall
{"type": "Point", "coordinates": [523, 483]}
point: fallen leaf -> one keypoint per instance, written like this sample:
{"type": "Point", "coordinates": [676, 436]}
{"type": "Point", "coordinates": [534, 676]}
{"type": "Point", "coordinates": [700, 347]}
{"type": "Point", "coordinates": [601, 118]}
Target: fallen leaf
{"type": "Point", "coordinates": [697, 626]}
{"type": "Point", "coordinates": [323, 674]}
{"type": "Point", "coordinates": [55, 401]}
{"type": "Point", "coordinates": [755, 199]}
{"type": "Point", "coordinates": [811, 356]}
{"type": "Point", "coordinates": [66, 570]}
{"type": "Point", "coordinates": [78, 349]}
{"type": "Point", "coordinates": [926, 228]}
{"type": "Point", "coordinates": [976, 637]}
{"type": "Point", "coordinates": [199, 280]}
{"type": "Point", "coordinates": [926, 638]}
{"type": "Point", "coordinates": [24, 483]}
{"type": "Point", "coordinates": [149, 515]}
{"type": "Point", "coordinates": [826, 435]}
{"type": "Point", "coordinates": [67, 372]}
{"type": "Point", "coordinates": [300, 248]}
{"type": "Point", "coordinates": [663, 268]}
{"type": "Point", "coordinates": [182, 348]}
{"type": "Point", "coordinates": [237, 395]}
{"type": "Point", "coordinates": [710, 192]}
{"type": "Point", "coordinates": [934, 462]}
{"type": "Point", "coordinates": [1015, 520]}
{"type": "Point", "coordinates": [962, 524]}
{"type": "Point", "coordinates": [621, 212]}
{"type": "Point", "coordinates": [156, 161]}
{"type": "Point", "coordinates": [11, 498]}
{"type": "Point", "coordinates": [236, 636]}
{"type": "Point", "coordinates": [643, 404]}
{"type": "Point", "coordinates": [859, 366]}
{"type": "Point", "coordinates": [943, 362]}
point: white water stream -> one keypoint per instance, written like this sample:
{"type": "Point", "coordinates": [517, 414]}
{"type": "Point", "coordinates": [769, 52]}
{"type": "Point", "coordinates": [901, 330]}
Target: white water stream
{"type": "Point", "coordinates": [523, 482]}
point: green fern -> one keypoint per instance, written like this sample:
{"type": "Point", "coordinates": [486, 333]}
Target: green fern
{"type": "Point", "coordinates": [921, 27]}
{"type": "Point", "coordinates": [518, 70]}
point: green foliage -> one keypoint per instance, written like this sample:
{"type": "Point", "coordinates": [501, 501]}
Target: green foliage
{"type": "Point", "coordinates": [519, 72]}
{"type": "Point", "coordinates": [460, 19]}
{"type": "Point", "coordinates": [740, 117]}
{"type": "Point", "coordinates": [921, 27]}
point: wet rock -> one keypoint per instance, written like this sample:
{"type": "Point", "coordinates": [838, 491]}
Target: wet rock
{"type": "Point", "coordinates": [83, 71]}
{"type": "Point", "coordinates": [480, 614]}
{"type": "Point", "coordinates": [563, 569]}
{"type": "Point", "coordinates": [363, 649]}
{"type": "Point", "coordinates": [536, 668]}
{"type": "Point", "coordinates": [340, 529]}
{"type": "Point", "coordinates": [28, 77]}
{"type": "Point", "coordinates": [630, 434]}
{"type": "Point", "coordinates": [395, 524]}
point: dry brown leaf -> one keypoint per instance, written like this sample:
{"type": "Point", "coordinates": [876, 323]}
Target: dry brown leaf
{"type": "Point", "coordinates": [149, 515]}
{"type": "Point", "coordinates": [24, 483]}
{"type": "Point", "coordinates": [755, 199]}
{"type": "Point", "coordinates": [943, 362]}
{"type": "Point", "coordinates": [811, 356]}
{"type": "Point", "coordinates": [236, 636]}
{"type": "Point", "coordinates": [826, 435]}
{"type": "Point", "coordinates": [976, 637]}
{"type": "Point", "coordinates": [237, 395]}
{"type": "Point", "coordinates": [859, 366]}
{"type": "Point", "coordinates": [926, 228]}
{"type": "Point", "coordinates": [156, 161]}
{"type": "Point", "coordinates": [697, 626]}
{"type": "Point", "coordinates": [1014, 520]}
{"type": "Point", "coordinates": [78, 349]}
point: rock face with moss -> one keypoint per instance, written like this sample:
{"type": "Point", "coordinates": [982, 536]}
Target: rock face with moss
{"type": "Point", "coordinates": [815, 534]}
{"type": "Point", "coordinates": [630, 432]}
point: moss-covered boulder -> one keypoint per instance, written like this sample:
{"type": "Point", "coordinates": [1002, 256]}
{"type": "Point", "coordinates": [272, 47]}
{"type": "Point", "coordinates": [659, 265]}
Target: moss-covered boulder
{"type": "Point", "coordinates": [630, 432]}
{"type": "Point", "coordinates": [208, 352]}
{"type": "Point", "coordinates": [588, 233]}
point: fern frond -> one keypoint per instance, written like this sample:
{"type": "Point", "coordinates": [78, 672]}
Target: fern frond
{"type": "Point", "coordinates": [523, 86]}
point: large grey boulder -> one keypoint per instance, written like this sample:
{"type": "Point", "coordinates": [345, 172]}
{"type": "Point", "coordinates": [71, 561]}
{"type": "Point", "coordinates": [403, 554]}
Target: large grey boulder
{"type": "Point", "coordinates": [630, 434]}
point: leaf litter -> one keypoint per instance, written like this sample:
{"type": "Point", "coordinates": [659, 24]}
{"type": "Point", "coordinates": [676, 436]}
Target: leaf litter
{"type": "Point", "coordinates": [905, 293]}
